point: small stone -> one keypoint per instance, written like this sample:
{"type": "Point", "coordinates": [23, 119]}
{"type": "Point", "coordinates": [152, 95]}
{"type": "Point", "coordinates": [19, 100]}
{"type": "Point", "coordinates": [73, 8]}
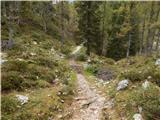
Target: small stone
{"type": "Point", "coordinates": [33, 54]}
{"type": "Point", "coordinates": [19, 59]}
{"type": "Point", "coordinates": [137, 116]}
{"type": "Point", "coordinates": [23, 99]}
{"type": "Point", "coordinates": [2, 61]}
{"type": "Point", "coordinates": [157, 62]}
{"type": "Point", "coordinates": [140, 109]}
{"type": "Point", "coordinates": [122, 84]}
{"type": "Point", "coordinates": [34, 42]}
{"type": "Point", "coordinates": [149, 77]}
{"type": "Point", "coordinates": [145, 85]}
{"type": "Point", "coordinates": [60, 116]}
{"type": "Point", "coordinates": [62, 101]}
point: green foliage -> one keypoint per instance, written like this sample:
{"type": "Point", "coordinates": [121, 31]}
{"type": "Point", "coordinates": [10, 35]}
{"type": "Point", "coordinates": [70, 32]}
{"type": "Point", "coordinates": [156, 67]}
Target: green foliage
{"type": "Point", "coordinates": [9, 104]}
{"type": "Point", "coordinates": [93, 69]}
{"type": "Point", "coordinates": [12, 80]}
{"type": "Point", "coordinates": [66, 49]}
{"type": "Point", "coordinates": [149, 100]}
{"type": "Point", "coordinates": [142, 73]}
{"type": "Point", "coordinates": [42, 84]}
{"type": "Point", "coordinates": [81, 55]}
{"type": "Point", "coordinates": [89, 24]}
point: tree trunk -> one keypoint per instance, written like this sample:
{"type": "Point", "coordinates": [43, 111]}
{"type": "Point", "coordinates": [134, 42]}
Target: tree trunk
{"type": "Point", "coordinates": [142, 37]}
{"type": "Point", "coordinates": [129, 44]}
{"type": "Point", "coordinates": [148, 42]}
{"type": "Point", "coordinates": [62, 23]}
{"type": "Point", "coordinates": [10, 23]}
{"type": "Point", "coordinates": [158, 43]}
{"type": "Point", "coordinates": [156, 20]}
{"type": "Point", "coordinates": [88, 28]}
{"type": "Point", "coordinates": [104, 49]}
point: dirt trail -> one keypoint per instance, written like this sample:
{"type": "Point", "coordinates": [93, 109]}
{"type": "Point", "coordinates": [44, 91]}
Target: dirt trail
{"type": "Point", "coordinates": [88, 104]}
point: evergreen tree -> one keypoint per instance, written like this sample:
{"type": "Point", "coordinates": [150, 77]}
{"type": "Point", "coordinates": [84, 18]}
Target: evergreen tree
{"type": "Point", "coordinates": [89, 25]}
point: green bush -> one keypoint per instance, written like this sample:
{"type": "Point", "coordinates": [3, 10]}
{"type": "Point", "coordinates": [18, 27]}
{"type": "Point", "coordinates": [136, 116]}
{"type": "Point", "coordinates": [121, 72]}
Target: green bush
{"type": "Point", "coordinates": [66, 50]}
{"type": "Point", "coordinates": [149, 100]}
{"type": "Point", "coordinates": [42, 83]}
{"type": "Point", "coordinates": [12, 80]}
{"type": "Point", "coordinates": [8, 105]}
{"type": "Point", "coordinates": [81, 57]}
{"type": "Point", "coordinates": [134, 75]}
{"type": "Point", "coordinates": [15, 65]}
{"type": "Point", "coordinates": [93, 69]}
{"type": "Point", "coordinates": [142, 73]}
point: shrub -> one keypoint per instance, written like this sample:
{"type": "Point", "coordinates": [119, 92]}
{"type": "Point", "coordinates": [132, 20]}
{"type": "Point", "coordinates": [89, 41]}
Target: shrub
{"type": "Point", "coordinates": [142, 73]}
{"type": "Point", "coordinates": [42, 83]}
{"type": "Point", "coordinates": [9, 105]}
{"type": "Point", "coordinates": [66, 50]}
{"type": "Point", "coordinates": [15, 65]}
{"type": "Point", "coordinates": [134, 75]}
{"type": "Point", "coordinates": [93, 69]}
{"type": "Point", "coordinates": [11, 80]}
{"type": "Point", "coordinates": [81, 55]}
{"type": "Point", "coordinates": [149, 100]}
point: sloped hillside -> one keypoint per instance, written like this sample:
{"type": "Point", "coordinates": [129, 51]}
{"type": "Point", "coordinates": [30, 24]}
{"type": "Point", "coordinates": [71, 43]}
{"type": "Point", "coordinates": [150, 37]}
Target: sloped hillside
{"type": "Point", "coordinates": [35, 68]}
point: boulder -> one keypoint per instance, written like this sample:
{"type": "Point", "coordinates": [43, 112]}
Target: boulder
{"type": "Point", "coordinates": [22, 99]}
{"type": "Point", "coordinates": [137, 116]}
{"type": "Point", "coordinates": [157, 62]}
{"type": "Point", "coordinates": [122, 84]}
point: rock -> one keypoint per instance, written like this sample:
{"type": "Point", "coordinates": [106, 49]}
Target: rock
{"type": "Point", "coordinates": [2, 61]}
{"type": "Point", "coordinates": [34, 42]}
{"type": "Point", "coordinates": [157, 62]}
{"type": "Point", "coordinates": [137, 116]}
{"type": "Point", "coordinates": [60, 116]}
{"type": "Point", "coordinates": [145, 84]}
{"type": "Point", "coordinates": [122, 84]}
{"type": "Point", "coordinates": [33, 54]}
{"type": "Point", "coordinates": [140, 109]}
{"type": "Point", "coordinates": [62, 101]}
{"type": "Point", "coordinates": [23, 99]}
{"type": "Point", "coordinates": [20, 59]}
{"type": "Point", "coordinates": [149, 77]}
{"type": "Point", "coordinates": [89, 60]}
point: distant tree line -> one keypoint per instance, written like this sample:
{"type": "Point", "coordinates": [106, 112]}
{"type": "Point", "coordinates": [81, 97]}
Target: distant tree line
{"type": "Point", "coordinates": [119, 29]}
{"type": "Point", "coordinates": [56, 19]}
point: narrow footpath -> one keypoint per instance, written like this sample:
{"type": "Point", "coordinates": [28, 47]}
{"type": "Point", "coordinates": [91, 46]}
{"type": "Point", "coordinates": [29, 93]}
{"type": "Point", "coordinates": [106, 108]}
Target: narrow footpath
{"type": "Point", "coordinates": [88, 104]}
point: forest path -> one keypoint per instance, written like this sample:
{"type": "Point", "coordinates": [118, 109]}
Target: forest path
{"type": "Point", "coordinates": [88, 104]}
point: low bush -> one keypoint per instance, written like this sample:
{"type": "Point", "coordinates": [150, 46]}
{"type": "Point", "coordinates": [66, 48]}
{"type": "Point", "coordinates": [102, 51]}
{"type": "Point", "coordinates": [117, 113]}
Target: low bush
{"type": "Point", "coordinates": [42, 83]}
{"type": "Point", "coordinates": [142, 73]}
{"type": "Point", "coordinates": [149, 100]}
{"type": "Point", "coordinates": [9, 104]}
{"type": "Point", "coordinates": [93, 69]}
{"type": "Point", "coordinates": [66, 50]}
{"type": "Point", "coordinates": [81, 55]}
{"type": "Point", "coordinates": [12, 80]}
